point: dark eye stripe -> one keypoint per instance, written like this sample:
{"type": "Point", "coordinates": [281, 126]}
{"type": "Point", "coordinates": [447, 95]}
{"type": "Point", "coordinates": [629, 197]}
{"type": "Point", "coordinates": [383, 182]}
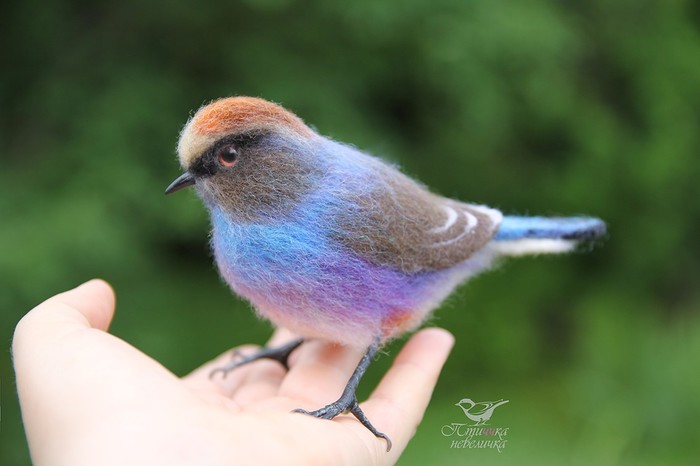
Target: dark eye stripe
{"type": "Point", "coordinates": [204, 166]}
{"type": "Point", "coordinates": [207, 164]}
{"type": "Point", "coordinates": [239, 140]}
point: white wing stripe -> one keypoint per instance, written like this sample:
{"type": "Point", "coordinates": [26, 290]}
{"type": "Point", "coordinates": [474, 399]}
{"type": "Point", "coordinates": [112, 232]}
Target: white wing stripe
{"type": "Point", "coordinates": [472, 222]}
{"type": "Point", "coordinates": [495, 215]}
{"type": "Point", "coordinates": [451, 219]}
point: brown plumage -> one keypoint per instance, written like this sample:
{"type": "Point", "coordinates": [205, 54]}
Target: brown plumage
{"type": "Point", "coordinates": [404, 225]}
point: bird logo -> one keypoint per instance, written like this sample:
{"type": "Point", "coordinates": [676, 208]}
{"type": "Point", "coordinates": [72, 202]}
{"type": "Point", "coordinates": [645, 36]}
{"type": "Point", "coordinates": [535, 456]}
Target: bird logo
{"type": "Point", "coordinates": [481, 411]}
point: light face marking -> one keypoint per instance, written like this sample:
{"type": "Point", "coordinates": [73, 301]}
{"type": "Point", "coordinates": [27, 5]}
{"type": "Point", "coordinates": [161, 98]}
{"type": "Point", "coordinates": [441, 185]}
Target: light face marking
{"type": "Point", "coordinates": [451, 219]}
{"type": "Point", "coordinates": [472, 222]}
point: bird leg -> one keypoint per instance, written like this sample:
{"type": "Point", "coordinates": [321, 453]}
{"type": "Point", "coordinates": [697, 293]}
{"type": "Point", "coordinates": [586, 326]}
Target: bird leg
{"type": "Point", "coordinates": [348, 400]}
{"type": "Point", "coordinates": [278, 353]}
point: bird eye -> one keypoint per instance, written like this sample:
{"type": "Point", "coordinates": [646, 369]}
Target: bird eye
{"type": "Point", "coordinates": [227, 155]}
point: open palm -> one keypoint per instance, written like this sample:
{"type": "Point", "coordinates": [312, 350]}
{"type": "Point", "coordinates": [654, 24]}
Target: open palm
{"type": "Point", "coordinates": [88, 397]}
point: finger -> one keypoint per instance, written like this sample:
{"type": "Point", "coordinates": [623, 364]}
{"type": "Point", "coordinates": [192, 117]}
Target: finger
{"type": "Point", "coordinates": [319, 373]}
{"type": "Point", "coordinates": [205, 376]}
{"type": "Point", "coordinates": [90, 305]}
{"type": "Point", "coordinates": [94, 300]}
{"type": "Point", "coordinates": [397, 405]}
{"type": "Point", "coordinates": [266, 372]}
{"type": "Point", "coordinates": [265, 376]}
{"type": "Point", "coordinates": [64, 359]}
{"type": "Point", "coordinates": [280, 337]}
{"type": "Point", "coordinates": [69, 330]}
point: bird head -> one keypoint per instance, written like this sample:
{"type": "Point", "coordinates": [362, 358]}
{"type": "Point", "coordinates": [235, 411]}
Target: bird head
{"type": "Point", "coordinates": [465, 401]}
{"type": "Point", "coordinates": [246, 155]}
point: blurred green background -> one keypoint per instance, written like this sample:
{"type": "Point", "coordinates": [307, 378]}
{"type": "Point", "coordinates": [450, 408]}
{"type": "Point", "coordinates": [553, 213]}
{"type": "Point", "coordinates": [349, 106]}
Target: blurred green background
{"type": "Point", "coordinates": [532, 106]}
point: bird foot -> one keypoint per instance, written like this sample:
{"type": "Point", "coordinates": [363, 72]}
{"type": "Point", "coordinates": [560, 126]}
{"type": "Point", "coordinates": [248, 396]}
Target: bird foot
{"type": "Point", "coordinates": [346, 404]}
{"type": "Point", "coordinates": [279, 354]}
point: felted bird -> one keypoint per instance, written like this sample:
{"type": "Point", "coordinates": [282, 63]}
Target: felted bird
{"type": "Point", "coordinates": [479, 412]}
{"type": "Point", "coordinates": [333, 243]}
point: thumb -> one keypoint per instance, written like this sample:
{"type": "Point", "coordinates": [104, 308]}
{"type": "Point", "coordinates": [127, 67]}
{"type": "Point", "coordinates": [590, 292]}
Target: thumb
{"type": "Point", "coordinates": [73, 377]}
{"type": "Point", "coordinates": [93, 299]}
{"type": "Point", "coordinates": [90, 305]}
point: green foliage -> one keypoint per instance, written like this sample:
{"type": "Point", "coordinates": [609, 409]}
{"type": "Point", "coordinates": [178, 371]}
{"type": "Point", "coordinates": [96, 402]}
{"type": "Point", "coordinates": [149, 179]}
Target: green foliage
{"type": "Point", "coordinates": [534, 106]}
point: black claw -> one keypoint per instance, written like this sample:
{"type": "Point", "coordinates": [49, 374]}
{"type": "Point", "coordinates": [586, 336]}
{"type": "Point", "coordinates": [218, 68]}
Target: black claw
{"type": "Point", "coordinates": [348, 401]}
{"type": "Point", "coordinates": [341, 406]}
{"type": "Point", "coordinates": [279, 354]}
{"type": "Point", "coordinates": [360, 415]}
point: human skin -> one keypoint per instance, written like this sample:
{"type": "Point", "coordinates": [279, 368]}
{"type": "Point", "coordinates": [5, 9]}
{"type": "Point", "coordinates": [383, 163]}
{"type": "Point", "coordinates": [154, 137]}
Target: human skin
{"type": "Point", "coordinates": [88, 397]}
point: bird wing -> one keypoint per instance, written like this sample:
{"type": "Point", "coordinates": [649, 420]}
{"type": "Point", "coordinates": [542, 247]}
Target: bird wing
{"type": "Point", "coordinates": [480, 408]}
{"type": "Point", "coordinates": [400, 223]}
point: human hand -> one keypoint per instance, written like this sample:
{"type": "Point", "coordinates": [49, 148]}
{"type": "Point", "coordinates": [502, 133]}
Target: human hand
{"type": "Point", "coordinates": [89, 398]}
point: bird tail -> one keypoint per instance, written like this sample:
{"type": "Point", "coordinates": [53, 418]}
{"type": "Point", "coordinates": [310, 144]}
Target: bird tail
{"type": "Point", "coordinates": [518, 236]}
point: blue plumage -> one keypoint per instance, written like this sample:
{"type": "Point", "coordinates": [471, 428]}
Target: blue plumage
{"type": "Point", "coordinates": [564, 228]}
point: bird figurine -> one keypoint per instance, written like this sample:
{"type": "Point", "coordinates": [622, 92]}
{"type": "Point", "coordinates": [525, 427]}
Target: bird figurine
{"type": "Point", "coordinates": [335, 244]}
{"type": "Point", "coordinates": [479, 412]}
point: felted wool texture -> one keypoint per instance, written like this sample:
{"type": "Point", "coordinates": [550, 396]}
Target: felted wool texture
{"type": "Point", "coordinates": [300, 268]}
{"type": "Point", "coordinates": [326, 240]}
{"type": "Point", "coordinates": [234, 115]}
{"type": "Point", "coordinates": [520, 236]}
{"type": "Point", "coordinates": [565, 228]}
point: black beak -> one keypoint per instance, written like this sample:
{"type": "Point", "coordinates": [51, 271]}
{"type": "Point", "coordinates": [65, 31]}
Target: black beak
{"type": "Point", "coordinates": [182, 181]}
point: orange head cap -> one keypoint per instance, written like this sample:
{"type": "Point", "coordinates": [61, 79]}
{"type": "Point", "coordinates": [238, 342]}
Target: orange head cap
{"type": "Point", "coordinates": [233, 116]}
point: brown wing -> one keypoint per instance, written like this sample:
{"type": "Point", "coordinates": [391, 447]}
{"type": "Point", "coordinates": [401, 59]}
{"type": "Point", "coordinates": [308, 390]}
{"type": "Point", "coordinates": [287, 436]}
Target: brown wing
{"type": "Point", "coordinates": [402, 224]}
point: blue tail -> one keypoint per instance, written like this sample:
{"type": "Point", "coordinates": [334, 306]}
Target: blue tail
{"type": "Point", "coordinates": [569, 228]}
{"type": "Point", "coordinates": [541, 235]}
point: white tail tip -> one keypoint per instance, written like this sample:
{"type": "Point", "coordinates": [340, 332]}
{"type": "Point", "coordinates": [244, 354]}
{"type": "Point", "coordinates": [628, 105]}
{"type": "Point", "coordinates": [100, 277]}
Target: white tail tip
{"type": "Point", "coordinates": [530, 246]}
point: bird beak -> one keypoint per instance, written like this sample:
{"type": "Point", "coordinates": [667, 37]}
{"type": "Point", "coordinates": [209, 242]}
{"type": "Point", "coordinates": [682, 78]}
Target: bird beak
{"type": "Point", "coordinates": [182, 181]}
